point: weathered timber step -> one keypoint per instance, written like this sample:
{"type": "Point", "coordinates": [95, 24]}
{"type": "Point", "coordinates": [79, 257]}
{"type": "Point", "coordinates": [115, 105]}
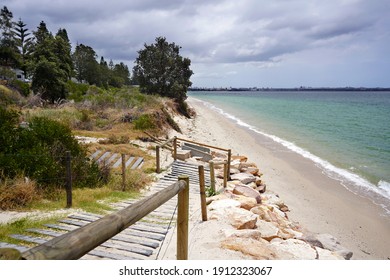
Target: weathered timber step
{"type": "Point", "coordinates": [13, 246]}
{"type": "Point", "coordinates": [115, 160]}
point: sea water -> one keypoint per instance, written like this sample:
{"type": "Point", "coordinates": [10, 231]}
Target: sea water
{"type": "Point", "coordinates": [345, 133]}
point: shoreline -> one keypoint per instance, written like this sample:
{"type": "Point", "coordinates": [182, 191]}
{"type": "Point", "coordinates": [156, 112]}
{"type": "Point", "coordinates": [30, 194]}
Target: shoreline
{"type": "Point", "coordinates": [317, 202]}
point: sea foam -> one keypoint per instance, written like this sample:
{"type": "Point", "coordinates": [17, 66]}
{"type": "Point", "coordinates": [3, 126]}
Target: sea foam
{"type": "Point", "coordinates": [379, 194]}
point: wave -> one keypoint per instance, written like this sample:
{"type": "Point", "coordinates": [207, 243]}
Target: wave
{"type": "Point", "coordinates": [349, 180]}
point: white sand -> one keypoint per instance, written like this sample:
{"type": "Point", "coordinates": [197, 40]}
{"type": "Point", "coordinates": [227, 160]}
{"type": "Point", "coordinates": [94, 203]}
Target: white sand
{"type": "Point", "coordinates": [318, 203]}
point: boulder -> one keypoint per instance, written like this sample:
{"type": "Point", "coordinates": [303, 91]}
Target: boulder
{"type": "Point", "coordinates": [328, 242]}
{"type": "Point", "coordinates": [327, 255]}
{"type": "Point", "coordinates": [223, 203]}
{"type": "Point", "coordinates": [243, 233]}
{"type": "Point", "coordinates": [252, 185]}
{"type": "Point", "coordinates": [246, 165]}
{"type": "Point", "coordinates": [239, 158]}
{"type": "Point", "coordinates": [294, 249]}
{"type": "Point", "coordinates": [241, 218]}
{"type": "Point", "coordinates": [252, 170]}
{"type": "Point", "coordinates": [261, 188]}
{"type": "Point", "coordinates": [247, 191]}
{"type": "Point", "coordinates": [183, 155]}
{"type": "Point", "coordinates": [258, 249]}
{"type": "Point", "coordinates": [246, 202]}
{"type": "Point", "coordinates": [244, 178]}
{"type": "Point", "coordinates": [268, 230]}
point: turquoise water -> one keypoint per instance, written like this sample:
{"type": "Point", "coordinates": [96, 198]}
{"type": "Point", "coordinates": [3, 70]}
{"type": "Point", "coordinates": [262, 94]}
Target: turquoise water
{"type": "Point", "coordinates": [346, 133]}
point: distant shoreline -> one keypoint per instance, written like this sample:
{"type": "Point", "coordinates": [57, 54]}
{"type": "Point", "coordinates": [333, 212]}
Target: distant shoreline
{"type": "Point", "coordinates": [293, 89]}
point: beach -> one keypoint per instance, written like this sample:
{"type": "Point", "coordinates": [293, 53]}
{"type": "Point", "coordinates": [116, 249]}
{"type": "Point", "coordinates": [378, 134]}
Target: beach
{"type": "Point", "coordinates": [318, 203]}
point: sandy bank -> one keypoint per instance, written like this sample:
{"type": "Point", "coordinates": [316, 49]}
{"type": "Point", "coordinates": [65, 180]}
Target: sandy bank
{"type": "Point", "coordinates": [317, 202]}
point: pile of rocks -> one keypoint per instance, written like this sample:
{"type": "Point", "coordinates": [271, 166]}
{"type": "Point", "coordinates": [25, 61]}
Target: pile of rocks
{"type": "Point", "coordinates": [259, 224]}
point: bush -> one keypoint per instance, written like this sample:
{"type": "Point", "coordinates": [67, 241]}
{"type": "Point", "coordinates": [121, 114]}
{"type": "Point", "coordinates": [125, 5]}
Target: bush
{"type": "Point", "coordinates": [17, 192]}
{"type": "Point", "coordinates": [39, 151]}
{"type": "Point", "coordinates": [22, 87]}
{"type": "Point", "coordinates": [144, 122]}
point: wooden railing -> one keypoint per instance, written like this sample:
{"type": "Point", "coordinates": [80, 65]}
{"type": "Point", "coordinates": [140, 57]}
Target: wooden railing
{"type": "Point", "coordinates": [77, 243]}
{"type": "Point", "coordinates": [173, 142]}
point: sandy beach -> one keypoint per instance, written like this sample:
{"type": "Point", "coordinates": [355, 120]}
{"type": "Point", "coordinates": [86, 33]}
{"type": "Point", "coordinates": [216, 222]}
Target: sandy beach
{"type": "Point", "coordinates": [318, 203]}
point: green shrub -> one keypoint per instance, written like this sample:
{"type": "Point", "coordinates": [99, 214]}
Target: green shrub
{"type": "Point", "coordinates": [144, 122]}
{"type": "Point", "coordinates": [39, 151]}
{"type": "Point", "coordinates": [22, 87]}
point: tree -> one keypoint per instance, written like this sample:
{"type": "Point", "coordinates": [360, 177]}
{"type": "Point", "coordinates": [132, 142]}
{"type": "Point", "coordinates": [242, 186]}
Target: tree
{"type": "Point", "coordinates": [24, 43]}
{"type": "Point", "coordinates": [9, 55]}
{"type": "Point", "coordinates": [63, 51]}
{"type": "Point", "coordinates": [85, 64]}
{"type": "Point", "coordinates": [160, 69]}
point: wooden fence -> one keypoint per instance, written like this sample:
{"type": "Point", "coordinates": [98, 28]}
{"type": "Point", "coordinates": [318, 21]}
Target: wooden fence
{"type": "Point", "coordinates": [77, 243]}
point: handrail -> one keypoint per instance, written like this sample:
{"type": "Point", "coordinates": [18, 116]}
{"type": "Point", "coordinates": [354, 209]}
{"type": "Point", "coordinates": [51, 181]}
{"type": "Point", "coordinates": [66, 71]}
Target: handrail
{"type": "Point", "coordinates": [77, 243]}
{"type": "Point", "coordinates": [204, 145]}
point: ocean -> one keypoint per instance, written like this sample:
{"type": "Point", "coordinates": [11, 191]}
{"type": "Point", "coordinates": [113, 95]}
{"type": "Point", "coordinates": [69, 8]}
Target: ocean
{"type": "Point", "coordinates": [345, 133]}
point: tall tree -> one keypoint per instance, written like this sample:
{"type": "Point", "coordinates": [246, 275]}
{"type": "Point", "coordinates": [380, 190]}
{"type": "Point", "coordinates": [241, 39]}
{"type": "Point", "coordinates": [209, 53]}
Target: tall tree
{"type": "Point", "coordinates": [160, 69]}
{"type": "Point", "coordinates": [9, 55]}
{"type": "Point", "coordinates": [63, 50]}
{"type": "Point", "coordinates": [24, 44]}
{"type": "Point", "coordinates": [85, 64]}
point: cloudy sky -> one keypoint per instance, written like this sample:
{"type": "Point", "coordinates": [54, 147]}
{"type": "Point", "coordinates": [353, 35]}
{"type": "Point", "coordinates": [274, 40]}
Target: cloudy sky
{"type": "Point", "coordinates": [248, 43]}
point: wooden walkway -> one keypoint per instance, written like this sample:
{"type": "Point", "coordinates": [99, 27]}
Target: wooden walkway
{"type": "Point", "coordinates": [142, 240]}
{"type": "Point", "coordinates": [114, 160]}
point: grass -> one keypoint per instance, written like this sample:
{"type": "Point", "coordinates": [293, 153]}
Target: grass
{"type": "Point", "coordinates": [19, 227]}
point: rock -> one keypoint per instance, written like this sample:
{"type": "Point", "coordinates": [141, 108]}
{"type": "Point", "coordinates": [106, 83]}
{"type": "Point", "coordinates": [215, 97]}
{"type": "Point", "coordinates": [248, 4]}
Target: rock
{"type": "Point", "coordinates": [327, 255]}
{"type": "Point", "coordinates": [252, 170]}
{"type": "Point", "coordinates": [258, 249]}
{"type": "Point", "coordinates": [247, 191]}
{"type": "Point", "coordinates": [183, 155]}
{"type": "Point", "coordinates": [252, 185]}
{"type": "Point", "coordinates": [239, 158]}
{"type": "Point", "coordinates": [243, 233]}
{"type": "Point", "coordinates": [298, 249]}
{"type": "Point", "coordinates": [268, 230]}
{"type": "Point", "coordinates": [244, 178]}
{"type": "Point", "coordinates": [241, 218]}
{"type": "Point", "coordinates": [329, 242]}
{"type": "Point", "coordinates": [234, 170]}
{"type": "Point", "coordinates": [271, 198]}
{"type": "Point", "coordinates": [246, 165]}
{"type": "Point", "coordinates": [246, 202]}
{"type": "Point", "coordinates": [263, 212]}
{"type": "Point", "coordinates": [261, 188]}
{"type": "Point", "coordinates": [258, 181]}
{"type": "Point", "coordinates": [224, 195]}
{"type": "Point", "coordinates": [223, 203]}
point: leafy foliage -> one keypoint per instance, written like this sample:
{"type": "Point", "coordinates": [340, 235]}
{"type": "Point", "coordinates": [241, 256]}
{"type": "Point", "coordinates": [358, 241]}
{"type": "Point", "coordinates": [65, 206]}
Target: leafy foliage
{"type": "Point", "coordinates": [38, 151]}
{"type": "Point", "coordinates": [160, 69]}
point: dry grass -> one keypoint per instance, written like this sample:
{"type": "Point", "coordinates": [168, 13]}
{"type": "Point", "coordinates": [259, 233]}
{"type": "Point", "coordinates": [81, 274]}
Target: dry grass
{"type": "Point", "coordinates": [17, 193]}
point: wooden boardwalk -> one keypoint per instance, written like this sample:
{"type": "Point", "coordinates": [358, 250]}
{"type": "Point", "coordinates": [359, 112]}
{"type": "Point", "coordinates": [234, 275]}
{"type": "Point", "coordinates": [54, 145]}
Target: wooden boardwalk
{"type": "Point", "coordinates": [142, 241]}
{"type": "Point", "coordinates": [114, 160]}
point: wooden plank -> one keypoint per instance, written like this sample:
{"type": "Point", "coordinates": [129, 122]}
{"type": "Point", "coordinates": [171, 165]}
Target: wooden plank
{"type": "Point", "coordinates": [61, 227]}
{"type": "Point", "coordinates": [112, 158]}
{"type": "Point", "coordinates": [106, 154]}
{"type": "Point", "coordinates": [95, 154]}
{"type": "Point", "coordinates": [137, 163]}
{"type": "Point", "coordinates": [117, 163]}
{"type": "Point", "coordinates": [122, 238]}
{"type": "Point", "coordinates": [109, 255]}
{"type": "Point", "coordinates": [129, 161]}
{"type": "Point", "coordinates": [28, 238]}
{"type": "Point", "coordinates": [13, 246]}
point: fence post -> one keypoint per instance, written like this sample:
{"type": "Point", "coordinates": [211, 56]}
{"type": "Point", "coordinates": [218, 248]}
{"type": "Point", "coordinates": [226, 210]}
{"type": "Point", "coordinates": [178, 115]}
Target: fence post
{"type": "Point", "coordinates": [212, 176]}
{"type": "Point", "coordinates": [158, 170]}
{"type": "Point", "coordinates": [202, 192]}
{"type": "Point", "coordinates": [123, 172]}
{"type": "Point", "coordinates": [182, 220]}
{"type": "Point", "coordinates": [175, 148]}
{"type": "Point", "coordinates": [225, 174]}
{"type": "Point", "coordinates": [68, 166]}
{"type": "Point", "coordinates": [228, 163]}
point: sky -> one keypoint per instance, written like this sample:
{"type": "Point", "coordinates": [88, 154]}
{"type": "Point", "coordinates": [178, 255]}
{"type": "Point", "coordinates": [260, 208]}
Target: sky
{"type": "Point", "coordinates": [231, 43]}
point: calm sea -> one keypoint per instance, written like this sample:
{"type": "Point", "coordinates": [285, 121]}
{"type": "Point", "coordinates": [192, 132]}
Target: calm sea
{"type": "Point", "coordinates": [346, 133]}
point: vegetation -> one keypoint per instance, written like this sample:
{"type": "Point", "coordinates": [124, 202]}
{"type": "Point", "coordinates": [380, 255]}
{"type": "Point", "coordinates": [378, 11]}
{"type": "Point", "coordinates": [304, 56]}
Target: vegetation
{"type": "Point", "coordinates": [160, 69]}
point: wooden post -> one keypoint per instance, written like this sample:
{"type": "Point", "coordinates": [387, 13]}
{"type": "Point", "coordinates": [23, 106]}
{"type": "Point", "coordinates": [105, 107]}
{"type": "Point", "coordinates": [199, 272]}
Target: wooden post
{"type": "Point", "coordinates": [158, 169]}
{"type": "Point", "coordinates": [123, 172]}
{"type": "Point", "coordinates": [228, 162]}
{"type": "Point", "coordinates": [225, 174]}
{"type": "Point", "coordinates": [212, 176]}
{"type": "Point", "coordinates": [202, 192]}
{"type": "Point", "coordinates": [175, 148]}
{"type": "Point", "coordinates": [68, 164]}
{"type": "Point", "coordinates": [182, 220]}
